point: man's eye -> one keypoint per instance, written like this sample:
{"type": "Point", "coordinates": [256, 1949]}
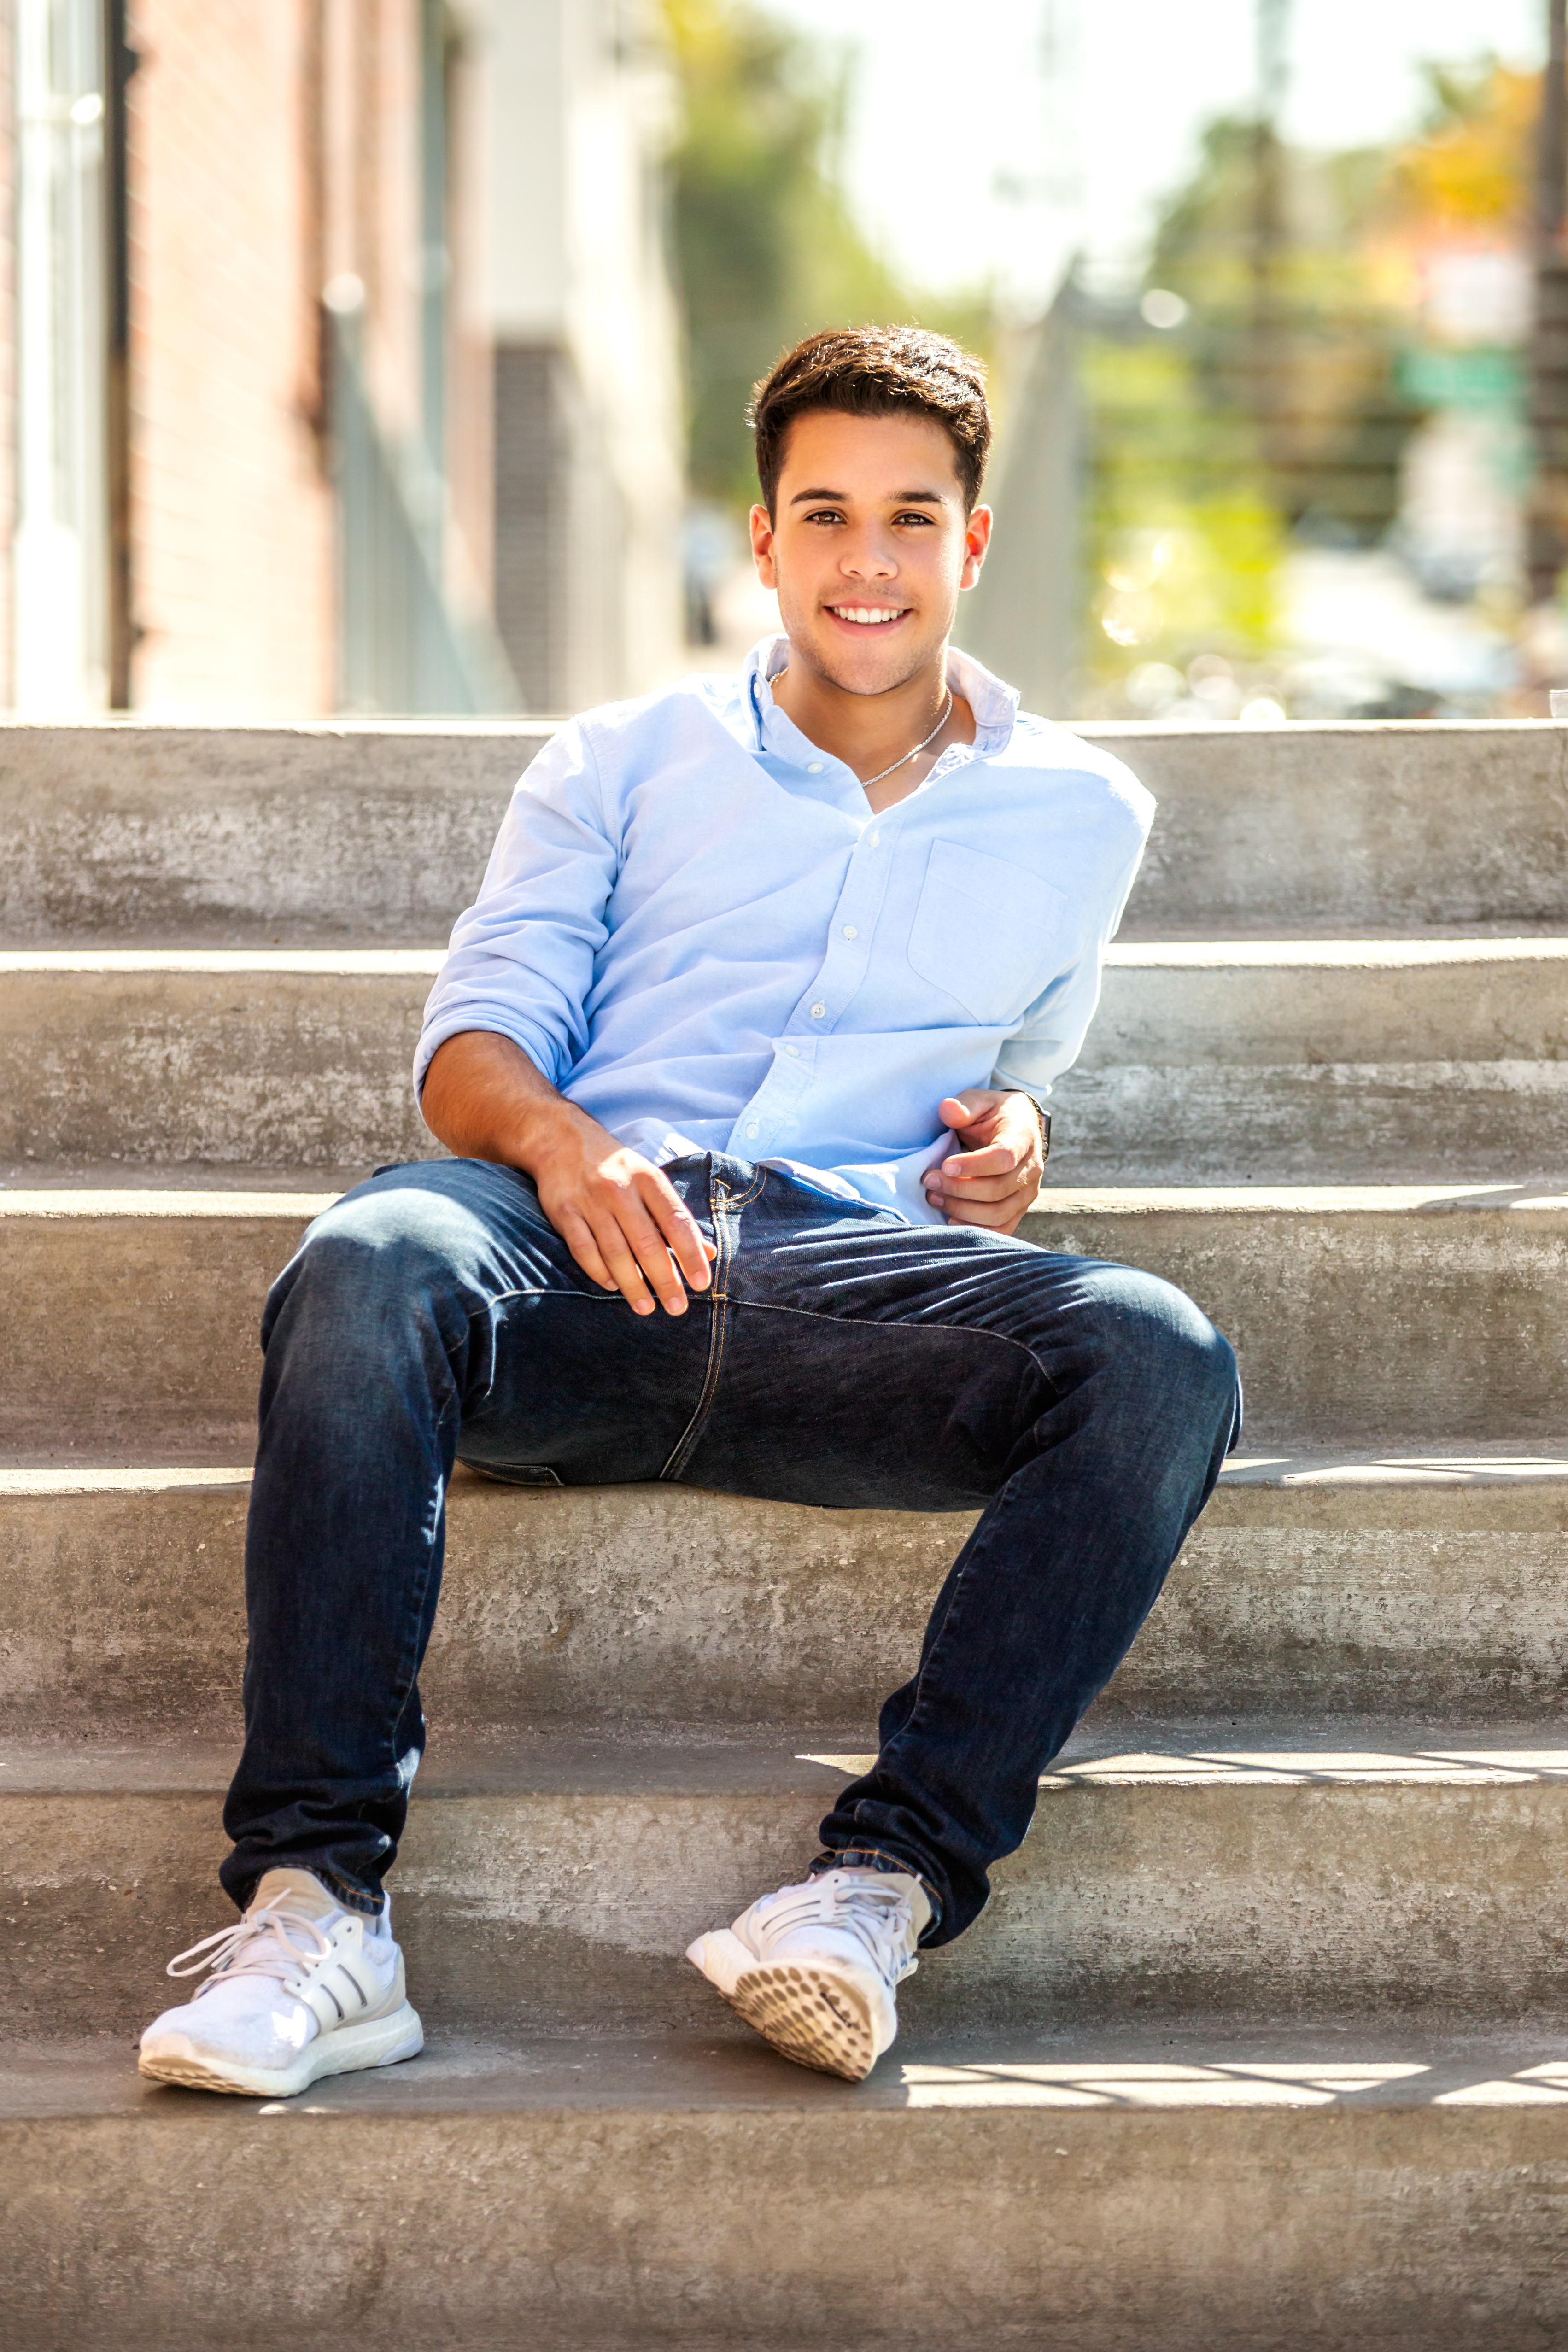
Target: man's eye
{"type": "Point", "coordinates": [914, 516]}
{"type": "Point", "coordinates": [824, 514]}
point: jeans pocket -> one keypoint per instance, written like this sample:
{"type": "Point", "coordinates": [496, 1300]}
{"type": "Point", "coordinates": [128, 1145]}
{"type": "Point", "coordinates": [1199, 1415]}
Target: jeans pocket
{"type": "Point", "coordinates": [513, 1473]}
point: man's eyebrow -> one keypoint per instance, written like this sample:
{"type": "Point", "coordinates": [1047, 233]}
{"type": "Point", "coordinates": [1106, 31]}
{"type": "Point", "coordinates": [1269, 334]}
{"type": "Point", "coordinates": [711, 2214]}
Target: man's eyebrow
{"type": "Point", "coordinates": [899, 498]}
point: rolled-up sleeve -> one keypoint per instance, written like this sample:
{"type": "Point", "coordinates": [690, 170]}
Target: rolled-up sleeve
{"type": "Point", "coordinates": [520, 961]}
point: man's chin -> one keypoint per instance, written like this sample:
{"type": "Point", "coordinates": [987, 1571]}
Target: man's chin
{"type": "Point", "coordinates": [869, 669]}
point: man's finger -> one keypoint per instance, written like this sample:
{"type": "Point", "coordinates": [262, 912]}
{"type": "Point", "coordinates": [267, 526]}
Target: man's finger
{"type": "Point", "coordinates": [578, 1236]}
{"type": "Point", "coordinates": [995, 1216]}
{"type": "Point", "coordinates": [968, 1110]}
{"type": "Point", "coordinates": [682, 1234]}
{"type": "Point", "coordinates": [995, 1160]}
{"type": "Point", "coordinates": [996, 1193]}
{"type": "Point", "coordinates": [651, 1251]}
{"type": "Point", "coordinates": [985, 1188]}
{"type": "Point", "coordinates": [619, 1256]}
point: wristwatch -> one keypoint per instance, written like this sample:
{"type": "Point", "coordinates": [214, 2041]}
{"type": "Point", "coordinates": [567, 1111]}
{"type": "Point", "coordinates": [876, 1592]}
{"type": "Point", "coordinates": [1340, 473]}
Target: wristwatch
{"type": "Point", "coordinates": [1044, 1120]}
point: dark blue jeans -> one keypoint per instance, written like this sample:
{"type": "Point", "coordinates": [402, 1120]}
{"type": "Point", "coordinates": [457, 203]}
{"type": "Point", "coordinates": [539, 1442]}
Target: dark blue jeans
{"type": "Point", "coordinates": [841, 1356]}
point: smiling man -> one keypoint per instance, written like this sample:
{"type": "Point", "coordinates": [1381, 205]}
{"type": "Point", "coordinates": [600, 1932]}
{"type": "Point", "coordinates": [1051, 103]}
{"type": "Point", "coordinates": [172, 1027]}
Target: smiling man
{"type": "Point", "coordinates": [742, 1051]}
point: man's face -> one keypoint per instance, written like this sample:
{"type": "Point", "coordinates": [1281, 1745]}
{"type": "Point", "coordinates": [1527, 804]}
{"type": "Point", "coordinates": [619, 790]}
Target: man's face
{"type": "Point", "coordinates": [868, 547]}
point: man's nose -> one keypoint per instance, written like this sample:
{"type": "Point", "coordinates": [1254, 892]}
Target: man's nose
{"type": "Point", "coordinates": [869, 561]}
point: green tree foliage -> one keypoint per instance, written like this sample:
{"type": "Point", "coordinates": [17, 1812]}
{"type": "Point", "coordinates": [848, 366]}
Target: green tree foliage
{"type": "Point", "coordinates": [765, 248]}
{"type": "Point", "coordinates": [1185, 542]}
{"type": "Point", "coordinates": [1276, 409]}
{"type": "Point", "coordinates": [1301, 371]}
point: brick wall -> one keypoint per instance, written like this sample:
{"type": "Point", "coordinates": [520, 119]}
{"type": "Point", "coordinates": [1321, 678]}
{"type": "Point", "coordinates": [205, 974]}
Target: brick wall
{"type": "Point", "coordinates": [7, 339]}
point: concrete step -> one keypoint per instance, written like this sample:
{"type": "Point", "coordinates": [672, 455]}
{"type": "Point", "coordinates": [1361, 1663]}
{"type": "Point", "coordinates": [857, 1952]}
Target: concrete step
{"type": "Point", "coordinates": [1363, 1315]}
{"type": "Point", "coordinates": [1346, 1585]}
{"type": "Point", "coordinates": [292, 1058]}
{"type": "Point", "coordinates": [1321, 1061]}
{"type": "Point", "coordinates": [131, 1316]}
{"type": "Point", "coordinates": [331, 832]}
{"type": "Point", "coordinates": [1200, 2192]}
{"type": "Point", "coordinates": [375, 830]}
{"type": "Point", "coordinates": [1331, 1876]}
{"type": "Point", "coordinates": [1329, 1060]}
{"type": "Point", "coordinates": [1374, 827]}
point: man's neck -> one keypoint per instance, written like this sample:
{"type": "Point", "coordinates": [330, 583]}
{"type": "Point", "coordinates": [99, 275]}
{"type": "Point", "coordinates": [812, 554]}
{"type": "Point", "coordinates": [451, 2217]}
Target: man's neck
{"type": "Point", "coordinates": [871, 732]}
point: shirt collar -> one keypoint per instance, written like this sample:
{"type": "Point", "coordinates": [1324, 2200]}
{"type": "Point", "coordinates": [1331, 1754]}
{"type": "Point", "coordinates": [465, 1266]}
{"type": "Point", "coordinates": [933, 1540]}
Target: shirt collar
{"type": "Point", "coordinates": [995, 705]}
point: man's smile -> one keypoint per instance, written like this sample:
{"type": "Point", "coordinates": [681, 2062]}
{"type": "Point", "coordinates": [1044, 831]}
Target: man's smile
{"type": "Point", "coordinates": [867, 616]}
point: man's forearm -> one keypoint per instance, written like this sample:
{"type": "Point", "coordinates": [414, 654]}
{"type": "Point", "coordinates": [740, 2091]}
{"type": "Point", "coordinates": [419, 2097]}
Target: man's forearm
{"type": "Point", "coordinates": [485, 1100]}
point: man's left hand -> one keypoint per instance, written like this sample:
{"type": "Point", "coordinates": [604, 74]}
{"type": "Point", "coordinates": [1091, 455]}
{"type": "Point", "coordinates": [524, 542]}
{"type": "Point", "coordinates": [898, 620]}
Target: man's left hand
{"type": "Point", "coordinates": [996, 1171]}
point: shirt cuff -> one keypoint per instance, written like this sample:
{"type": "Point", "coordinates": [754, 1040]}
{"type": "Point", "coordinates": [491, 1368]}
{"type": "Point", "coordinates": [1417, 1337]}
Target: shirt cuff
{"type": "Point", "coordinates": [534, 1043]}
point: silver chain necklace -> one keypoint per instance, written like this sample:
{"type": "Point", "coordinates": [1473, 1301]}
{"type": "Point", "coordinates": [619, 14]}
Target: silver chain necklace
{"type": "Point", "coordinates": [867, 781]}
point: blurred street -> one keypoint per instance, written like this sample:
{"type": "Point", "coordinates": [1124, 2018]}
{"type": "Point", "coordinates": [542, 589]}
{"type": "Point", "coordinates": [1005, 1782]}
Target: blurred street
{"type": "Point", "coordinates": [394, 355]}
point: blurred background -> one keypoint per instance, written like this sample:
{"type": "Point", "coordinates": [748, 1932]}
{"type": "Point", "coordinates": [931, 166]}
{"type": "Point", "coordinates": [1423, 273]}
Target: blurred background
{"type": "Point", "coordinates": [392, 355]}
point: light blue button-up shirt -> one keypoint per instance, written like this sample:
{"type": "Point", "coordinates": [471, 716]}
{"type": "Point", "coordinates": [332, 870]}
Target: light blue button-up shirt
{"type": "Point", "coordinates": [697, 928]}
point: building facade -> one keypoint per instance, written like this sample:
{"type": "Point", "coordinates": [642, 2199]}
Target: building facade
{"type": "Point", "coordinates": [337, 357]}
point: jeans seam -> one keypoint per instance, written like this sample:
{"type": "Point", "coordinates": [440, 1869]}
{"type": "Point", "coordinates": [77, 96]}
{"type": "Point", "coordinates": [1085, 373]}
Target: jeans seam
{"type": "Point", "coordinates": [686, 1444]}
{"type": "Point", "coordinates": [680, 1452]}
{"type": "Point", "coordinates": [541, 1290]}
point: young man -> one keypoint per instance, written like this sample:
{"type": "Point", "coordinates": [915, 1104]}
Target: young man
{"type": "Point", "coordinates": [741, 1052]}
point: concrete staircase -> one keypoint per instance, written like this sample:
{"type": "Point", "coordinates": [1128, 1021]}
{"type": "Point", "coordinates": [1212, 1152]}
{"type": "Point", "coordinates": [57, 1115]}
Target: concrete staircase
{"type": "Point", "coordinates": [1264, 2040]}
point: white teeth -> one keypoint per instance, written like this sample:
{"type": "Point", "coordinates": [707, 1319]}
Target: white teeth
{"type": "Point", "coordinates": [869, 616]}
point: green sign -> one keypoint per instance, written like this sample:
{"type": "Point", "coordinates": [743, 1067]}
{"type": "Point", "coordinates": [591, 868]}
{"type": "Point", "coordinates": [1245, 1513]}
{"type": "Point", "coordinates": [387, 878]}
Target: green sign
{"type": "Point", "coordinates": [1486, 378]}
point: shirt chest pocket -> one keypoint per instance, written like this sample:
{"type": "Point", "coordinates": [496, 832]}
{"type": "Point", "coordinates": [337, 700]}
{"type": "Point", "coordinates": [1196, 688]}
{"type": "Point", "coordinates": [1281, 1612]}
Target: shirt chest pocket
{"type": "Point", "coordinates": [984, 932]}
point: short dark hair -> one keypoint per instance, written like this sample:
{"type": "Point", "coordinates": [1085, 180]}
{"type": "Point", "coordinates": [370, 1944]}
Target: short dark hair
{"type": "Point", "coordinates": [875, 371]}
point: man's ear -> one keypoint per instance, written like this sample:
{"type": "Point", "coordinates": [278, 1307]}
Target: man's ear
{"type": "Point", "coordinates": [976, 539]}
{"type": "Point", "coordinates": [763, 546]}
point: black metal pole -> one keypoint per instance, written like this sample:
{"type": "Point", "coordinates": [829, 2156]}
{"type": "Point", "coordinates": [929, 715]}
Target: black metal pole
{"type": "Point", "coordinates": [1547, 531]}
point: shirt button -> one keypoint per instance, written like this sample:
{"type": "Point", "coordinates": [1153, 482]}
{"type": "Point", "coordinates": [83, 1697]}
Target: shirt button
{"type": "Point", "coordinates": [850, 932]}
{"type": "Point", "coordinates": [817, 1011]}
{"type": "Point", "coordinates": [813, 767]}
{"type": "Point", "coordinates": [753, 1129]}
{"type": "Point", "coordinates": [791, 1049]}
{"type": "Point", "coordinates": [875, 839]}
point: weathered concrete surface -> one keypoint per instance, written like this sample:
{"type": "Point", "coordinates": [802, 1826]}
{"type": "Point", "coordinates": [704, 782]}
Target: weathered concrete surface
{"type": "Point", "coordinates": [1198, 2193]}
{"type": "Point", "coordinates": [554, 1885]}
{"type": "Point", "coordinates": [296, 1058]}
{"type": "Point", "coordinates": [1347, 1587]}
{"type": "Point", "coordinates": [131, 1316]}
{"type": "Point", "coordinates": [1263, 1002]}
{"type": "Point", "coordinates": [1361, 1315]}
{"type": "Point", "coordinates": [379, 830]}
{"type": "Point", "coordinates": [1275, 1061]}
{"type": "Point", "coordinates": [1321, 1061]}
{"type": "Point", "coordinates": [337, 830]}
{"type": "Point", "coordinates": [1373, 826]}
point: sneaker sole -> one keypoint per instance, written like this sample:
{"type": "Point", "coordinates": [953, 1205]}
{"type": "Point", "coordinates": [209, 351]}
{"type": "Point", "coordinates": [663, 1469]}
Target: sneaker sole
{"type": "Point", "coordinates": [813, 2015]}
{"type": "Point", "coordinates": [379, 2041]}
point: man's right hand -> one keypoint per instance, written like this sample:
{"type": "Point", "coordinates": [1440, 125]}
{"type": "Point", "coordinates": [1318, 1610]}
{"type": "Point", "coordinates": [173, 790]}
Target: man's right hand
{"type": "Point", "coordinates": [621, 1218]}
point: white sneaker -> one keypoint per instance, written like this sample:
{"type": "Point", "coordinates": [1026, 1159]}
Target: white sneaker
{"type": "Point", "coordinates": [300, 1988]}
{"type": "Point", "coordinates": [814, 1968]}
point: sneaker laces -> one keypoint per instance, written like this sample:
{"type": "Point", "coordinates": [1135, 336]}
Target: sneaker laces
{"type": "Point", "coordinates": [879, 1915]}
{"type": "Point", "coordinates": [259, 1945]}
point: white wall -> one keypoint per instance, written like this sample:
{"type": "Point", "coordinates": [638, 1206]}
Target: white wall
{"type": "Point", "coordinates": [580, 110]}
